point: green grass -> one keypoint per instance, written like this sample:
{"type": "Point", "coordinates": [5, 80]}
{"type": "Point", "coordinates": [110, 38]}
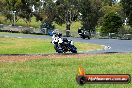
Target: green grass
{"type": "Point", "coordinates": [61, 73]}
{"type": "Point", "coordinates": [35, 46]}
{"type": "Point", "coordinates": [25, 46]}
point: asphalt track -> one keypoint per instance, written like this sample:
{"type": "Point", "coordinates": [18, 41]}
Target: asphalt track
{"type": "Point", "coordinates": [110, 45]}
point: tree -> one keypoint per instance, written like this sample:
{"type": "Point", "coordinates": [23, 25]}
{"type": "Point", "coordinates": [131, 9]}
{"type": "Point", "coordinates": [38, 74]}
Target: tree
{"type": "Point", "coordinates": [2, 5]}
{"type": "Point", "coordinates": [90, 13]}
{"type": "Point", "coordinates": [48, 11]}
{"type": "Point", "coordinates": [22, 8]}
{"type": "Point", "coordinates": [108, 2]}
{"type": "Point", "coordinates": [111, 23]}
{"type": "Point", "coordinates": [110, 9]}
{"type": "Point", "coordinates": [106, 9]}
{"type": "Point", "coordinates": [25, 10]}
{"type": "Point", "coordinates": [8, 6]}
{"type": "Point", "coordinates": [127, 8]}
{"type": "Point", "coordinates": [66, 12]}
{"type": "Point", "coordinates": [59, 11]}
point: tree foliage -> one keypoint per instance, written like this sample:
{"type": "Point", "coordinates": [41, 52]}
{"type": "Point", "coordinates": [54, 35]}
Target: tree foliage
{"type": "Point", "coordinates": [111, 9]}
{"type": "Point", "coordinates": [2, 5]}
{"type": "Point", "coordinates": [127, 8]}
{"type": "Point", "coordinates": [106, 9]}
{"type": "Point", "coordinates": [111, 24]}
{"type": "Point", "coordinates": [66, 10]}
{"type": "Point", "coordinates": [90, 13]}
{"type": "Point", "coordinates": [48, 11]}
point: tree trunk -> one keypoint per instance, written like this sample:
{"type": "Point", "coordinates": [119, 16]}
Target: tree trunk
{"type": "Point", "coordinates": [68, 29]}
{"type": "Point", "coordinates": [68, 23]}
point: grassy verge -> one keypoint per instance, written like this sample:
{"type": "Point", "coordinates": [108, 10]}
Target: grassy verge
{"type": "Point", "coordinates": [61, 73]}
{"type": "Point", "coordinates": [35, 46]}
{"type": "Point", "coordinates": [23, 46]}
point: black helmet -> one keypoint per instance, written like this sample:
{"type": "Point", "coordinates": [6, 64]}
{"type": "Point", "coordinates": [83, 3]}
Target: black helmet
{"type": "Point", "coordinates": [59, 35]}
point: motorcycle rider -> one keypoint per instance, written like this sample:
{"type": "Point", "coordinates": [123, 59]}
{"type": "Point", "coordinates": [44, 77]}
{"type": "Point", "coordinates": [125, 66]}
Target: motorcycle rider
{"type": "Point", "coordinates": [83, 33]}
{"type": "Point", "coordinates": [60, 39]}
{"type": "Point", "coordinates": [62, 45]}
{"type": "Point", "coordinates": [56, 39]}
{"type": "Point", "coordinates": [80, 31]}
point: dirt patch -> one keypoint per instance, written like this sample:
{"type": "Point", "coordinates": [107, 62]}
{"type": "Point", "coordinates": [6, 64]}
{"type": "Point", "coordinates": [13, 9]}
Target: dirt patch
{"type": "Point", "coordinates": [18, 58]}
{"type": "Point", "coordinates": [68, 56]}
{"type": "Point", "coordinates": [10, 58]}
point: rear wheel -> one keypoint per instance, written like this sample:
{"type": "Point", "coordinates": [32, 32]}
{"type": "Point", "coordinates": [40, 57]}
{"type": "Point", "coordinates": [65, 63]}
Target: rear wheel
{"type": "Point", "coordinates": [75, 51]}
{"type": "Point", "coordinates": [83, 37]}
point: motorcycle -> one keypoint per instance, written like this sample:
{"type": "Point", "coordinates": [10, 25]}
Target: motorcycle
{"type": "Point", "coordinates": [83, 33]}
{"type": "Point", "coordinates": [63, 45]}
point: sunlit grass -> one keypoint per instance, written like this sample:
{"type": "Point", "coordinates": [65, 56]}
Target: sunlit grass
{"type": "Point", "coordinates": [35, 46]}
{"type": "Point", "coordinates": [61, 73]}
{"type": "Point", "coordinates": [25, 46]}
{"type": "Point", "coordinates": [87, 47]}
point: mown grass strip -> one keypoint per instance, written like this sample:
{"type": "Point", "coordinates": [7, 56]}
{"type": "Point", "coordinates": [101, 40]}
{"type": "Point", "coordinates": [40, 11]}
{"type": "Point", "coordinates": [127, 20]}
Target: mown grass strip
{"type": "Point", "coordinates": [61, 73]}
{"type": "Point", "coordinates": [35, 46]}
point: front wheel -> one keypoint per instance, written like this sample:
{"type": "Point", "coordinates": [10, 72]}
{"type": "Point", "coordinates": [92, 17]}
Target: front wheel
{"type": "Point", "coordinates": [57, 48]}
{"type": "Point", "coordinates": [74, 49]}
